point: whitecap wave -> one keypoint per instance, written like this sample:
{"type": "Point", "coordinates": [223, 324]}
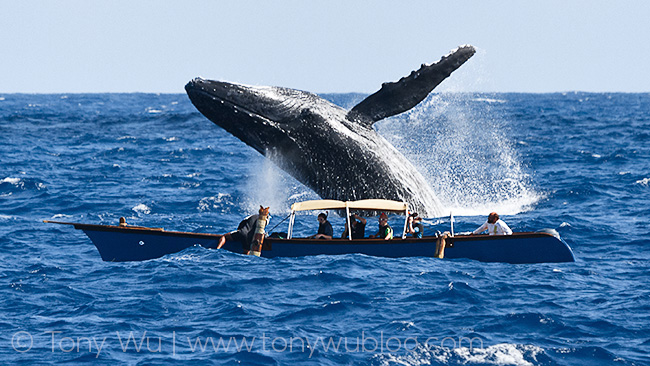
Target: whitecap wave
{"type": "Point", "coordinates": [14, 181]}
{"type": "Point", "coordinates": [498, 354]}
{"type": "Point", "coordinates": [61, 216]}
{"type": "Point", "coordinates": [142, 209]}
{"type": "Point", "coordinates": [643, 182]}
{"type": "Point", "coordinates": [5, 217]}
{"type": "Point", "coordinates": [488, 100]}
{"type": "Point", "coordinates": [215, 202]}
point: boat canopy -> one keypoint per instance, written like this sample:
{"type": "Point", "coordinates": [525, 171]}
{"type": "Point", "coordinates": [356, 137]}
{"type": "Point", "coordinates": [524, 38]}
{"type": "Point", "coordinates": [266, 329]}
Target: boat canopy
{"type": "Point", "coordinates": [369, 204]}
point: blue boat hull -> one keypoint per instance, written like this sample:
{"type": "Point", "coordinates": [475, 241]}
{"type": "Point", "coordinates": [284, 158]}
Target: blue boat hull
{"type": "Point", "coordinates": [516, 248]}
{"type": "Point", "coordinates": [119, 244]}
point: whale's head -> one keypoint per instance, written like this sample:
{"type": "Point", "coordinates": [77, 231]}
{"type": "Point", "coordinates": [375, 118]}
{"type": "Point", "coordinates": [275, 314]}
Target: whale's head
{"type": "Point", "coordinates": [296, 129]}
{"type": "Point", "coordinates": [263, 117]}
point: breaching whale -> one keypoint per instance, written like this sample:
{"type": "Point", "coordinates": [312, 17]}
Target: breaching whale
{"type": "Point", "coordinates": [333, 151]}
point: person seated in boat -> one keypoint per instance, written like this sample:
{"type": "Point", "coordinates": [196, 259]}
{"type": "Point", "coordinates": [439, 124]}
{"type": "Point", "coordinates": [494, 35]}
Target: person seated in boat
{"type": "Point", "coordinates": [358, 225]}
{"type": "Point", "coordinates": [244, 234]}
{"type": "Point", "coordinates": [494, 226]}
{"type": "Point", "coordinates": [415, 226]}
{"type": "Point", "coordinates": [325, 230]}
{"type": "Point", "coordinates": [385, 231]}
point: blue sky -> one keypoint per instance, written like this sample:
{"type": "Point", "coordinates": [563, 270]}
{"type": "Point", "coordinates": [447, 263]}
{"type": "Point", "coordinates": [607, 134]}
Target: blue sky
{"type": "Point", "coordinates": [73, 46]}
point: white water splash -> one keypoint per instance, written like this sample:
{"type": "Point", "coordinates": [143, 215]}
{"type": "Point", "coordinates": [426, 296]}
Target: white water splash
{"type": "Point", "coordinates": [449, 154]}
{"type": "Point", "coordinates": [456, 146]}
{"type": "Point", "coordinates": [269, 186]}
{"type": "Point", "coordinates": [465, 155]}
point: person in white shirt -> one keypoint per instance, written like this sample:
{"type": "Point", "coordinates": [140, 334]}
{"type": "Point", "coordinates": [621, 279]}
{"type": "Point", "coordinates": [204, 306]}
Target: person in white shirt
{"type": "Point", "coordinates": [494, 226]}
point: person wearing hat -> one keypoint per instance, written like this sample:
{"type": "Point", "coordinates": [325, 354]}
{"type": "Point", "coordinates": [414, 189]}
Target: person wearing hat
{"type": "Point", "coordinates": [358, 225]}
{"type": "Point", "coordinates": [325, 230]}
{"type": "Point", "coordinates": [385, 231]}
{"type": "Point", "coordinates": [494, 226]}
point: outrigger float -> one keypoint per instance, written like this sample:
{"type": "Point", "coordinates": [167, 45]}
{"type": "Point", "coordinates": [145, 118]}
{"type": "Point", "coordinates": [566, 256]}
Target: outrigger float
{"type": "Point", "coordinates": [136, 243]}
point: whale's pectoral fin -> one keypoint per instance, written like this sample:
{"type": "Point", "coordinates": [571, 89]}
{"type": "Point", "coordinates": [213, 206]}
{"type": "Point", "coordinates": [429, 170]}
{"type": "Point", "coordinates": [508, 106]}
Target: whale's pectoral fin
{"type": "Point", "coordinates": [400, 96]}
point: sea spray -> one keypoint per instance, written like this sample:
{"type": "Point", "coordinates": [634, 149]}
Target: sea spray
{"type": "Point", "coordinates": [464, 153]}
{"type": "Point", "coordinates": [452, 150]}
{"type": "Point", "coordinates": [271, 186]}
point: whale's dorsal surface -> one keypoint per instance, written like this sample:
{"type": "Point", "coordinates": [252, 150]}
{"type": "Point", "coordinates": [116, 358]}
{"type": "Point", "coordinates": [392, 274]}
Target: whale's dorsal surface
{"type": "Point", "coordinates": [395, 98]}
{"type": "Point", "coordinates": [333, 151]}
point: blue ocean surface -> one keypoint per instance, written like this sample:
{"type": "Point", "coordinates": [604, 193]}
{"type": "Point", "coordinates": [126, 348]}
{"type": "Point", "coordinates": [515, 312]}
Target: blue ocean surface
{"type": "Point", "coordinates": [578, 163]}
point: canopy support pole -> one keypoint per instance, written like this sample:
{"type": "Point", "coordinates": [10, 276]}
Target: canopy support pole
{"type": "Point", "coordinates": [451, 221]}
{"type": "Point", "coordinates": [290, 233]}
{"type": "Point", "coordinates": [406, 220]}
{"type": "Point", "coordinates": [347, 216]}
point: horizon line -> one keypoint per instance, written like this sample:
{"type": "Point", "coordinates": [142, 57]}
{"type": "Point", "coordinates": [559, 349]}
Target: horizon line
{"type": "Point", "coordinates": [321, 93]}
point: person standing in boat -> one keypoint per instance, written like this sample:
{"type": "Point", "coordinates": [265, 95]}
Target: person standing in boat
{"type": "Point", "coordinates": [494, 226]}
{"type": "Point", "coordinates": [358, 225]}
{"type": "Point", "coordinates": [325, 230]}
{"type": "Point", "coordinates": [415, 226]}
{"type": "Point", "coordinates": [385, 231]}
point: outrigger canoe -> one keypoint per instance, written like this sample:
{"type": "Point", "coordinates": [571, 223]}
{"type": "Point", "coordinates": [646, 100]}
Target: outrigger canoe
{"type": "Point", "coordinates": [121, 243]}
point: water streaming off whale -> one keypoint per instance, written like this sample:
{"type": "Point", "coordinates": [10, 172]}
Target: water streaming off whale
{"type": "Point", "coordinates": [458, 145]}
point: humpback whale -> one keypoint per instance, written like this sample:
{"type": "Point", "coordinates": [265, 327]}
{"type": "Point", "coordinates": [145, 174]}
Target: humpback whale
{"type": "Point", "coordinates": [333, 151]}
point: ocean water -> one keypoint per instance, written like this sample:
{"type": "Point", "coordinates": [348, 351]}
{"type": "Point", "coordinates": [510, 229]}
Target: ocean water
{"type": "Point", "coordinates": [575, 162]}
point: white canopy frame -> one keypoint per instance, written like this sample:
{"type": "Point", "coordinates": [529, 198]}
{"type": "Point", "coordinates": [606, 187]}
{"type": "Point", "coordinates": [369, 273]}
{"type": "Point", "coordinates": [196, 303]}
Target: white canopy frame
{"type": "Point", "coordinates": [369, 204]}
